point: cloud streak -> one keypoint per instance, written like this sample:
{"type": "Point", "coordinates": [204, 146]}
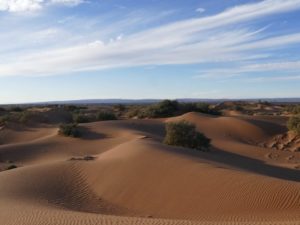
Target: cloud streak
{"type": "Point", "coordinates": [287, 66]}
{"type": "Point", "coordinates": [197, 40]}
{"type": "Point", "coordinates": [200, 10]}
{"type": "Point", "coordinates": [32, 5]}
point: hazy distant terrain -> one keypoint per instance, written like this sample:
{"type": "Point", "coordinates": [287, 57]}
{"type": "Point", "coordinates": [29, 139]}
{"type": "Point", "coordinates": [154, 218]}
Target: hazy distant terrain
{"type": "Point", "coordinates": [149, 101]}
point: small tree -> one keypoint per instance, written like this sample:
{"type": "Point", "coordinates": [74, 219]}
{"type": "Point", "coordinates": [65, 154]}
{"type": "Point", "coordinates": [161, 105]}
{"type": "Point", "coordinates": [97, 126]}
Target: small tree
{"type": "Point", "coordinates": [294, 124]}
{"type": "Point", "coordinates": [184, 134]}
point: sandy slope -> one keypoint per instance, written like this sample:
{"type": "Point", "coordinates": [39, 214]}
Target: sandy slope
{"type": "Point", "coordinates": [135, 179]}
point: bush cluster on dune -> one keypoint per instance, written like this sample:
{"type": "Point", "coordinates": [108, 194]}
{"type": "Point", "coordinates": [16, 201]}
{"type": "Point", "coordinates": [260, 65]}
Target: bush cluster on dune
{"type": "Point", "coordinates": [294, 109]}
{"type": "Point", "coordinates": [69, 130]}
{"type": "Point", "coordinates": [106, 115]}
{"type": "Point", "coordinates": [168, 108]}
{"type": "Point", "coordinates": [294, 124]}
{"type": "Point", "coordinates": [11, 167]}
{"type": "Point", "coordinates": [82, 118]}
{"type": "Point", "coordinates": [184, 134]}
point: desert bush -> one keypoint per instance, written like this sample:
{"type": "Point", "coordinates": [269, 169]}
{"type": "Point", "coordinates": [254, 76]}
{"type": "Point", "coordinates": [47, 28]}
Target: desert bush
{"type": "Point", "coordinates": [167, 108]}
{"type": "Point", "coordinates": [133, 111]}
{"type": "Point", "coordinates": [69, 130]}
{"type": "Point", "coordinates": [3, 120]}
{"type": "Point", "coordinates": [201, 107]}
{"type": "Point", "coordinates": [184, 134]}
{"type": "Point", "coordinates": [119, 107]}
{"type": "Point", "coordinates": [81, 118]}
{"type": "Point", "coordinates": [238, 108]}
{"type": "Point", "coordinates": [265, 103]}
{"type": "Point", "coordinates": [16, 109]}
{"type": "Point", "coordinates": [11, 117]}
{"type": "Point", "coordinates": [106, 115]}
{"type": "Point", "coordinates": [16, 117]}
{"type": "Point", "coordinates": [11, 167]}
{"type": "Point", "coordinates": [294, 124]}
{"type": "Point", "coordinates": [294, 109]}
{"type": "Point", "coordinates": [86, 158]}
{"type": "Point", "coordinates": [164, 108]}
{"type": "Point", "coordinates": [74, 108]}
{"type": "Point", "coordinates": [25, 116]}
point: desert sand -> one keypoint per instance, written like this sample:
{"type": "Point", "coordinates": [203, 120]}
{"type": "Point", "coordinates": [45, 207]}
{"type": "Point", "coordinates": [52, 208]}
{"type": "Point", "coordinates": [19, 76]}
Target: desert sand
{"type": "Point", "coordinates": [135, 179]}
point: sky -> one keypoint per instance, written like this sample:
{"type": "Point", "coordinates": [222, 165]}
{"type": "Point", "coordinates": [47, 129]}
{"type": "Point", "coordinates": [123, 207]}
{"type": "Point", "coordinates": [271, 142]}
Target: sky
{"type": "Point", "coordinates": [97, 49]}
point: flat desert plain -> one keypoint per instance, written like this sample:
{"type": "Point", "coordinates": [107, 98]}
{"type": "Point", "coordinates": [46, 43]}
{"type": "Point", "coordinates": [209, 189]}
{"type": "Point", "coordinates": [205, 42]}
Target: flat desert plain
{"type": "Point", "coordinates": [131, 177]}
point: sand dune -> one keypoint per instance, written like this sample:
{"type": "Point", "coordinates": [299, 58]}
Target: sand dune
{"type": "Point", "coordinates": [135, 179]}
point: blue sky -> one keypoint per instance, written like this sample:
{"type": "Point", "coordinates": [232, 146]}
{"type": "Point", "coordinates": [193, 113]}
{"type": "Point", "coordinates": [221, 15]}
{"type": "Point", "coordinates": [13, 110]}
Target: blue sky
{"type": "Point", "coordinates": [80, 49]}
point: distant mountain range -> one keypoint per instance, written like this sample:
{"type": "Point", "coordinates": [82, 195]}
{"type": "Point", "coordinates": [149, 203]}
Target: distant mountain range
{"type": "Point", "coordinates": [150, 101]}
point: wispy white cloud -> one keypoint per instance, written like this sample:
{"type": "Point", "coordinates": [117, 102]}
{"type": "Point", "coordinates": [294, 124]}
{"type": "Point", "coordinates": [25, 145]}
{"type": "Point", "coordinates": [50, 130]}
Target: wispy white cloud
{"type": "Point", "coordinates": [197, 40]}
{"type": "Point", "coordinates": [20, 5]}
{"type": "Point", "coordinates": [200, 10]}
{"type": "Point", "coordinates": [274, 79]}
{"type": "Point", "coordinates": [287, 66]}
{"type": "Point", "coordinates": [68, 2]}
{"type": "Point", "coordinates": [32, 5]}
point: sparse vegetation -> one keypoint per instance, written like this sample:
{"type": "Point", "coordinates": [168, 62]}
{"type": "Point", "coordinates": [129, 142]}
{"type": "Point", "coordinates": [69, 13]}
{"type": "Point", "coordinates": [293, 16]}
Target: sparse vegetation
{"type": "Point", "coordinates": [85, 158]}
{"type": "Point", "coordinates": [119, 107]}
{"type": "Point", "coordinates": [81, 118]}
{"type": "Point", "coordinates": [238, 108]}
{"type": "Point", "coordinates": [198, 107]}
{"type": "Point", "coordinates": [10, 167]}
{"type": "Point", "coordinates": [294, 109]}
{"type": "Point", "coordinates": [16, 109]}
{"type": "Point", "coordinates": [74, 108]}
{"type": "Point", "coordinates": [69, 130]}
{"type": "Point", "coordinates": [106, 115]}
{"type": "Point", "coordinates": [294, 124]}
{"type": "Point", "coordinates": [265, 103]}
{"type": "Point", "coordinates": [165, 108]}
{"type": "Point", "coordinates": [184, 134]}
{"type": "Point", "coordinates": [2, 121]}
{"type": "Point", "coordinates": [21, 117]}
{"type": "Point", "coordinates": [168, 108]}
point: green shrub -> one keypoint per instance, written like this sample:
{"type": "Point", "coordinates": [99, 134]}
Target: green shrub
{"type": "Point", "coordinates": [164, 108]}
{"type": "Point", "coordinates": [265, 103]}
{"type": "Point", "coordinates": [3, 120]}
{"type": "Point", "coordinates": [198, 107]}
{"type": "Point", "coordinates": [81, 118]}
{"type": "Point", "coordinates": [133, 111]}
{"type": "Point", "coordinates": [106, 115]}
{"type": "Point", "coordinates": [16, 117]}
{"type": "Point", "coordinates": [184, 134]}
{"type": "Point", "coordinates": [74, 108]}
{"type": "Point", "coordinates": [168, 108]}
{"type": "Point", "coordinates": [16, 109]}
{"type": "Point", "coordinates": [69, 130]}
{"type": "Point", "coordinates": [119, 107]}
{"type": "Point", "coordinates": [294, 109]}
{"type": "Point", "coordinates": [294, 124]}
{"type": "Point", "coordinates": [25, 117]}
